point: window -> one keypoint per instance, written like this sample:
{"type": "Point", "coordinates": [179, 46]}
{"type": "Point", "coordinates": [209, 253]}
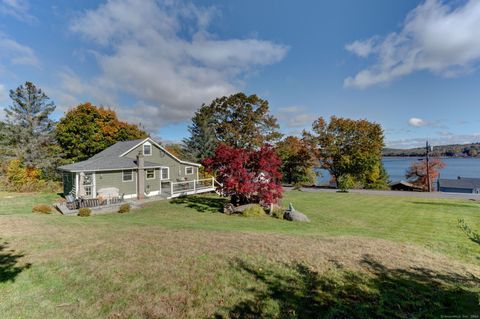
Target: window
{"type": "Point", "coordinates": [150, 173]}
{"type": "Point", "coordinates": [147, 149]}
{"type": "Point", "coordinates": [88, 191]}
{"type": "Point", "coordinates": [127, 176]}
{"type": "Point", "coordinates": [188, 170]}
{"type": "Point", "coordinates": [164, 173]}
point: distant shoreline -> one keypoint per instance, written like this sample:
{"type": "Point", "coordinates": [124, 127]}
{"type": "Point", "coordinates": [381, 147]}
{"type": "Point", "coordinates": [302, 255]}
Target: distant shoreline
{"type": "Point", "coordinates": [448, 151]}
{"type": "Point", "coordinates": [420, 156]}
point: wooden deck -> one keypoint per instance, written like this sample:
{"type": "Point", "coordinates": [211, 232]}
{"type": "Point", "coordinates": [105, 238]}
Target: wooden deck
{"type": "Point", "coordinates": [177, 189]}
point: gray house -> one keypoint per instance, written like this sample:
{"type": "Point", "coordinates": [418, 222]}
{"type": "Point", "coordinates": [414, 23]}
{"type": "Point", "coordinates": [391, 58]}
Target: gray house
{"type": "Point", "coordinates": [459, 185]}
{"type": "Point", "coordinates": [134, 169]}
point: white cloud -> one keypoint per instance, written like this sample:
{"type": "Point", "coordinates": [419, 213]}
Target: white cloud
{"type": "Point", "coordinates": [73, 90]}
{"type": "Point", "coordinates": [362, 48]}
{"type": "Point", "coordinates": [416, 122]}
{"type": "Point", "coordinates": [162, 53]}
{"type": "Point", "coordinates": [19, 9]}
{"type": "Point", "coordinates": [3, 101]}
{"type": "Point", "coordinates": [435, 37]}
{"type": "Point", "coordinates": [295, 117]}
{"type": "Point", "coordinates": [3, 94]}
{"type": "Point", "coordinates": [15, 53]}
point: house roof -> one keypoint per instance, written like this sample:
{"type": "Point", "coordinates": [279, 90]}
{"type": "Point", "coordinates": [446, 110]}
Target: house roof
{"type": "Point", "coordinates": [112, 158]}
{"type": "Point", "coordinates": [160, 147]}
{"type": "Point", "coordinates": [105, 163]}
{"type": "Point", "coordinates": [405, 183]}
{"type": "Point", "coordinates": [117, 149]}
{"type": "Point", "coordinates": [460, 182]}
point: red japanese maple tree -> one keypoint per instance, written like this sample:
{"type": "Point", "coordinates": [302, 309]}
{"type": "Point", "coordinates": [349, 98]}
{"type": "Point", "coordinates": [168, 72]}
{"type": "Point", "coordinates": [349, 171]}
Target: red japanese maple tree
{"type": "Point", "coordinates": [247, 176]}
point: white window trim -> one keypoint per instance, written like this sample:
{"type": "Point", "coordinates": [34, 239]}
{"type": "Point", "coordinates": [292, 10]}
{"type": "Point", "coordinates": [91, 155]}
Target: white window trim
{"type": "Point", "coordinates": [186, 167]}
{"type": "Point", "coordinates": [143, 148]}
{"type": "Point", "coordinates": [168, 173]}
{"type": "Point", "coordinates": [123, 176]}
{"type": "Point", "coordinates": [146, 173]}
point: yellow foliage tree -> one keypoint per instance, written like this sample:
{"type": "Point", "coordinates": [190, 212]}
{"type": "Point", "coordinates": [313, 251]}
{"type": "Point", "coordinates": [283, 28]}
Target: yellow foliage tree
{"type": "Point", "coordinates": [19, 178]}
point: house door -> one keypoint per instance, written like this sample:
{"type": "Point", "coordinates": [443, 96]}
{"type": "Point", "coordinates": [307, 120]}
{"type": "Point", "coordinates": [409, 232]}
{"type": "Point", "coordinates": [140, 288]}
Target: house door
{"type": "Point", "coordinates": [164, 180]}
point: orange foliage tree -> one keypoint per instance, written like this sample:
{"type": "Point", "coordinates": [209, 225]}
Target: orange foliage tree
{"type": "Point", "coordinates": [87, 129]}
{"type": "Point", "coordinates": [417, 172]}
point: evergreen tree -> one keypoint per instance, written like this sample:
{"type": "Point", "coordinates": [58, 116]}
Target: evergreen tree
{"type": "Point", "coordinates": [28, 131]}
{"type": "Point", "coordinates": [202, 141]}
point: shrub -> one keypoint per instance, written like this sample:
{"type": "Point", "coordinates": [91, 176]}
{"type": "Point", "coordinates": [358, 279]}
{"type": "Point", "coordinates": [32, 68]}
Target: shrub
{"type": "Point", "coordinates": [42, 209]}
{"type": "Point", "coordinates": [84, 212]}
{"type": "Point", "coordinates": [16, 177]}
{"type": "Point", "coordinates": [253, 211]}
{"type": "Point", "coordinates": [346, 182]}
{"type": "Point", "coordinates": [125, 208]}
{"type": "Point", "coordinates": [277, 213]}
{"type": "Point", "coordinates": [474, 236]}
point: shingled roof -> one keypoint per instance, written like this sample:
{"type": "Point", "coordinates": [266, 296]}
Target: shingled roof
{"type": "Point", "coordinates": [460, 182]}
{"type": "Point", "coordinates": [109, 159]}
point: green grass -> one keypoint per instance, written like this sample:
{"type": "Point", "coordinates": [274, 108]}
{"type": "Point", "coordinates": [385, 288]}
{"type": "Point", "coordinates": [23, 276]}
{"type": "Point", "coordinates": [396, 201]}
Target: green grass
{"type": "Point", "coordinates": [17, 203]}
{"type": "Point", "coordinates": [360, 256]}
{"type": "Point", "coordinates": [430, 223]}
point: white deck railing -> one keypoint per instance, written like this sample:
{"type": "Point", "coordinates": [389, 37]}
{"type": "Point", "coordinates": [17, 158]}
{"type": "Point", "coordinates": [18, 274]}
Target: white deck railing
{"type": "Point", "coordinates": [192, 187]}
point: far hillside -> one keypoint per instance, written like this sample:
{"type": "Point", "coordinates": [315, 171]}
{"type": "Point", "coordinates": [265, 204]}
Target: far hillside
{"type": "Point", "coordinates": [453, 150]}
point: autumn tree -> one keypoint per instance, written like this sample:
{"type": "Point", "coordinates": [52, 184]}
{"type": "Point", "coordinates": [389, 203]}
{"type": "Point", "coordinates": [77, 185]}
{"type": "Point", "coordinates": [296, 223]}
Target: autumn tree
{"type": "Point", "coordinates": [27, 133]}
{"type": "Point", "coordinates": [247, 176]}
{"type": "Point", "coordinates": [350, 147]}
{"type": "Point", "coordinates": [297, 161]}
{"type": "Point", "coordinates": [86, 130]}
{"type": "Point", "coordinates": [417, 172]}
{"type": "Point", "coordinates": [238, 120]}
{"type": "Point", "coordinates": [176, 150]}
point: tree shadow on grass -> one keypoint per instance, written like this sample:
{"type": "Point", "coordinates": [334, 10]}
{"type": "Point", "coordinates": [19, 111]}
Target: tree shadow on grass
{"type": "Point", "coordinates": [203, 204]}
{"type": "Point", "coordinates": [295, 291]}
{"type": "Point", "coordinates": [9, 267]}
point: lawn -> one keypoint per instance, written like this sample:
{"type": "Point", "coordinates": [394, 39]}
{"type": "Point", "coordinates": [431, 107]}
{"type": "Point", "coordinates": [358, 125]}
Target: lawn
{"type": "Point", "coordinates": [361, 256]}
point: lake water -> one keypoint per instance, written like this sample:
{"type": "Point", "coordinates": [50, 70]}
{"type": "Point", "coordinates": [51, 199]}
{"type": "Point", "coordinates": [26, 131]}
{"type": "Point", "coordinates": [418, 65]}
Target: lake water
{"type": "Point", "coordinates": [397, 166]}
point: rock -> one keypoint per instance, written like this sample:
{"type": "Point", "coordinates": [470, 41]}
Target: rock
{"type": "Point", "coordinates": [230, 209]}
{"type": "Point", "coordinates": [241, 208]}
{"type": "Point", "coordinates": [294, 215]}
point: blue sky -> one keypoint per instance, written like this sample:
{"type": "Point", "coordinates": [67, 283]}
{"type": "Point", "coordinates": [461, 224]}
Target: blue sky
{"type": "Point", "coordinates": [411, 66]}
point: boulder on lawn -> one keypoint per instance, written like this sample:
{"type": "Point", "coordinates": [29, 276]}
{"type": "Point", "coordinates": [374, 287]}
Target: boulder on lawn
{"type": "Point", "coordinates": [229, 208]}
{"type": "Point", "coordinates": [294, 215]}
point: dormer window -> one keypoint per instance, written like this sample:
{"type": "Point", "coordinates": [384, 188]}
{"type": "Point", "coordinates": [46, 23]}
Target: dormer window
{"type": "Point", "coordinates": [147, 149]}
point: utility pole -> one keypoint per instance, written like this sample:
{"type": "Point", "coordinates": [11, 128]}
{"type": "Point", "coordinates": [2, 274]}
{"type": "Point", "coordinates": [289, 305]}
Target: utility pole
{"type": "Point", "coordinates": [427, 152]}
